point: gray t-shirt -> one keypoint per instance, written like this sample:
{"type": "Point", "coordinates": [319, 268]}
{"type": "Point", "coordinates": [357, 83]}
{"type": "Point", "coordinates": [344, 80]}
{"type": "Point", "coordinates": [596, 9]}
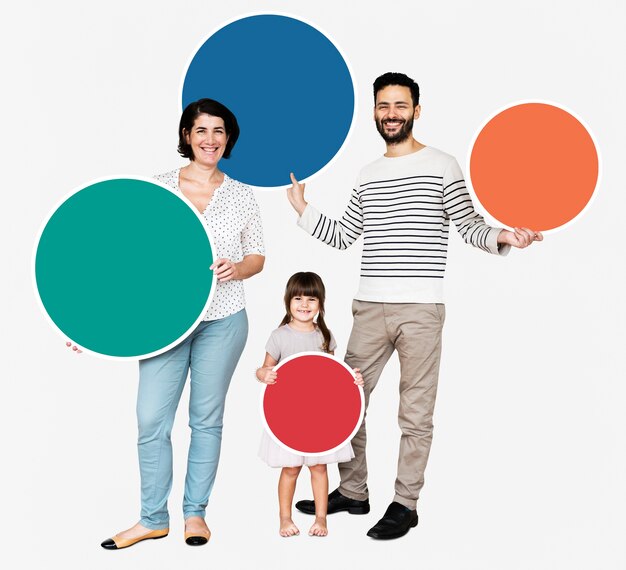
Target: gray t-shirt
{"type": "Point", "coordinates": [285, 341]}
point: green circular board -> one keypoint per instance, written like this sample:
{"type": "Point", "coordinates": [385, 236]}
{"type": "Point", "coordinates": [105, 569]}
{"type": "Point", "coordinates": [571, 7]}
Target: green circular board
{"type": "Point", "coordinates": [122, 268]}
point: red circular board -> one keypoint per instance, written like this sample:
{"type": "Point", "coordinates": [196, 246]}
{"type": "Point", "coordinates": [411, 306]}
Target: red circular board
{"type": "Point", "coordinates": [315, 406]}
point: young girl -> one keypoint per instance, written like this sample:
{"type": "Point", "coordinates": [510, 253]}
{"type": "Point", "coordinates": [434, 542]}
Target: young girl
{"type": "Point", "coordinates": [299, 332]}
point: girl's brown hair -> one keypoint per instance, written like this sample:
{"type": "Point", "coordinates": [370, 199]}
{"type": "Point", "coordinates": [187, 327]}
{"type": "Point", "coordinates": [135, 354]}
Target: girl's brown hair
{"type": "Point", "coordinates": [307, 284]}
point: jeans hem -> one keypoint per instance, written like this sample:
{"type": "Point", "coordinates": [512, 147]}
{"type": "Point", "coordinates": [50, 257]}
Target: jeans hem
{"type": "Point", "coordinates": [154, 526]}
{"type": "Point", "coordinates": [201, 514]}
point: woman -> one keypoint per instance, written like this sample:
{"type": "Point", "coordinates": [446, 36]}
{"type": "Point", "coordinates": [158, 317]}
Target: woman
{"type": "Point", "coordinates": [207, 132]}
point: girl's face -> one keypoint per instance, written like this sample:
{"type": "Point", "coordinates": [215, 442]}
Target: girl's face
{"type": "Point", "coordinates": [304, 309]}
{"type": "Point", "coordinates": [207, 139]}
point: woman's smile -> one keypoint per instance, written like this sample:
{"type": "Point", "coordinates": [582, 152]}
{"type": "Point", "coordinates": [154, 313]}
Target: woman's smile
{"type": "Point", "coordinates": [208, 139]}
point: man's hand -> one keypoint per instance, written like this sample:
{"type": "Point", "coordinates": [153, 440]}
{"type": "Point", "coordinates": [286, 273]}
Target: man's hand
{"type": "Point", "coordinates": [521, 237]}
{"type": "Point", "coordinates": [295, 194]}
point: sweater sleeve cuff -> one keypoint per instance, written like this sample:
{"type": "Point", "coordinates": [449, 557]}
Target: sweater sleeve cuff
{"type": "Point", "coordinates": [309, 218]}
{"type": "Point", "coordinates": [493, 245]}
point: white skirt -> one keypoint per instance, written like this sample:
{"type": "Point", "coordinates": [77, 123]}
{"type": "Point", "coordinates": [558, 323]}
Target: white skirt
{"type": "Point", "coordinates": [276, 456]}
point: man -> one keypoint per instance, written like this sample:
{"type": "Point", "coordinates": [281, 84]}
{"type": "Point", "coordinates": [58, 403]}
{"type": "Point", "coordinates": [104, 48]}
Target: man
{"type": "Point", "coordinates": [402, 204]}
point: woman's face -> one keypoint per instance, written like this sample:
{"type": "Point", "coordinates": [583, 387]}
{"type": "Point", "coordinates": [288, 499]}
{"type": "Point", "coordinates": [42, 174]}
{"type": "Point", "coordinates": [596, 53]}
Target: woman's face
{"type": "Point", "coordinates": [207, 139]}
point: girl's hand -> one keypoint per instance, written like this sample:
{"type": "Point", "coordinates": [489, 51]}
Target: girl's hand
{"type": "Point", "coordinates": [73, 347]}
{"type": "Point", "coordinates": [359, 378]}
{"type": "Point", "coordinates": [267, 375]}
{"type": "Point", "coordinates": [225, 270]}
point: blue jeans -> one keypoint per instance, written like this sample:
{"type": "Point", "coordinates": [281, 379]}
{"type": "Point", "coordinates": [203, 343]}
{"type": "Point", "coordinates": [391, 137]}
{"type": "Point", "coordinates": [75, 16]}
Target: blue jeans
{"type": "Point", "coordinates": [211, 351]}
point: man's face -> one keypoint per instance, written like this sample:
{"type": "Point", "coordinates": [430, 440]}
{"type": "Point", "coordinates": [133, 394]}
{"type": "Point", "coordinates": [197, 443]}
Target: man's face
{"type": "Point", "coordinates": [394, 113]}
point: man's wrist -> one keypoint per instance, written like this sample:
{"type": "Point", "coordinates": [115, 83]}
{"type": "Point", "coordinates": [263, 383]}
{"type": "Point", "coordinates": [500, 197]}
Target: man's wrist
{"type": "Point", "coordinates": [300, 207]}
{"type": "Point", "coordinates": [502, 237]}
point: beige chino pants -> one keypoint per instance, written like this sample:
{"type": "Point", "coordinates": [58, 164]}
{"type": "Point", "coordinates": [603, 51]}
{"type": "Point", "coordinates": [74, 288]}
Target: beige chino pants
{"type": "Point", "coordinates": [414, 330]}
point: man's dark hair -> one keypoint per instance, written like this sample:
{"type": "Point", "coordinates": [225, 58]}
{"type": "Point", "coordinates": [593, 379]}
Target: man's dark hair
{"type": "Point", "coordinates": [206, 107]}
{"type": "Point", "coordinates": [392, 78]}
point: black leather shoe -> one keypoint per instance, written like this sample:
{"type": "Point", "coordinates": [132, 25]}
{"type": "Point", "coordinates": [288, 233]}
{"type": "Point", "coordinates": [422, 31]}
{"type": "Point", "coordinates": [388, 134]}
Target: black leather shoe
{"type": "Point", "coordinates": [395, 523]}
{"type": "Point", "coordinates": [336, 503]}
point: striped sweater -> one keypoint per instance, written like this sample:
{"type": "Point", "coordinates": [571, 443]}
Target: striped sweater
{"type": "Point", "coordinates": [403, 207]}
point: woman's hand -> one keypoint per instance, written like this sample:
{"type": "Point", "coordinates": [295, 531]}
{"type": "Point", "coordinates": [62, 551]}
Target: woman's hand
{"type": "Point", "coordinates": [267, 375]}
{"type": "Point", "coordinates": [225, 270]}
{"type": "Point", "coordinates": [358, 377]}
{"type": "Point", "coordinates": [295, 194]}
{"type": "Point", "coordinates": [73, 347]}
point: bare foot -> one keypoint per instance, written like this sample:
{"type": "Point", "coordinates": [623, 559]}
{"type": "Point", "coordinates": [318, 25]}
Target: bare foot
{"type": "Point", "coordinates": [197, 526]}
{"type": "Point", "coordinates": [287, 527]}
{"type": "Point", "coordinates": [319, 527]}
{"type": "Point", "coordinates": [134, 531]}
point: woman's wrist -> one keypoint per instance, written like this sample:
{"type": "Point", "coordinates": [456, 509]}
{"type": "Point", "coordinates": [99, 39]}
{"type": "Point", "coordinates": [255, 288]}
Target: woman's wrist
{"type": "Point", "coordinates": [250, 265]}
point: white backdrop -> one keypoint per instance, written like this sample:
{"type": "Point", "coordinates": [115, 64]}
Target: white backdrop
{"type": "Point", "coordinates": [528, 466]}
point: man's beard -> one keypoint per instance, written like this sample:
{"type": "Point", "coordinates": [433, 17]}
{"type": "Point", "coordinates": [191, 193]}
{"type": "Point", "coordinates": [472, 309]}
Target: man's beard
{"type": "Point", "coordinates": [403, 132]}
